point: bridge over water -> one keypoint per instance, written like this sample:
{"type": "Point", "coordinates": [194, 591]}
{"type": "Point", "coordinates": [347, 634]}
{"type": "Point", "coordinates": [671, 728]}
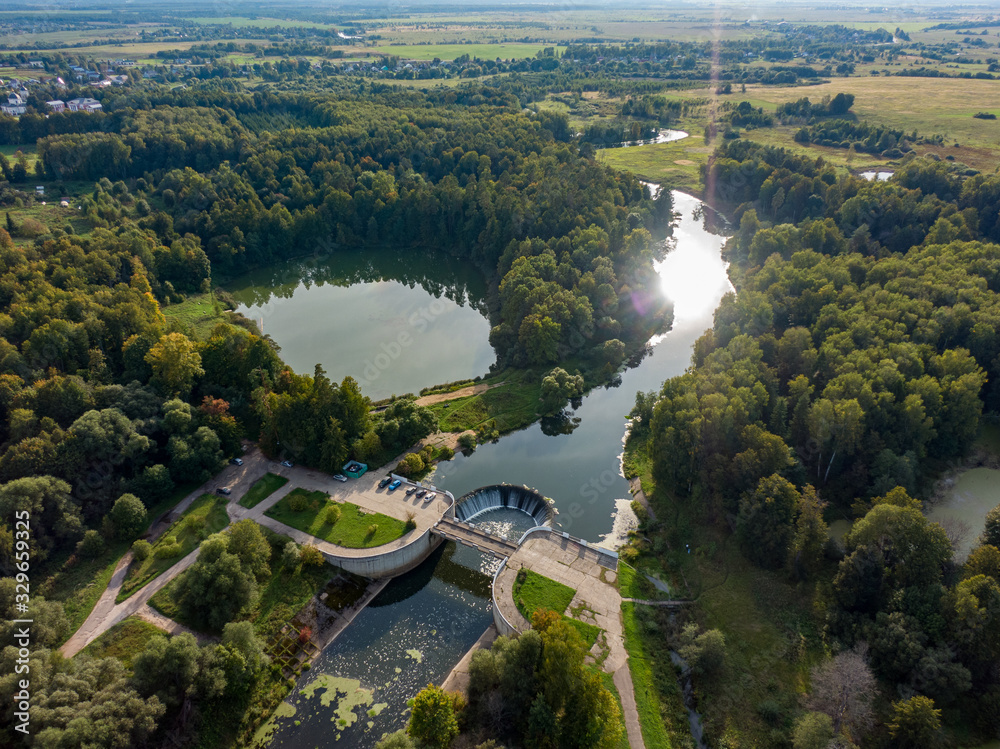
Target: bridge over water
{"type": "Point", "coordinates": [478, 538]}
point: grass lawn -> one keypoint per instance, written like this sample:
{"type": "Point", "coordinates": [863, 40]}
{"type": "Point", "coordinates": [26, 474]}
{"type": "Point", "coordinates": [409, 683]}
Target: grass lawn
{"type": "Point", "coordinates": [198, 312]}
{"type": "Point", "coordinates": [513, 405]}
{"type": "Point", "coordinates": [78, 583]}
{"type": "Point", "coordinates": [205, 516]}
{"type": "Point", "coordinates": [633, 584]}
{"type": "Point", "coordinates": [351, 531]}
{"type": "Point", "coordinates": [533, 592]}
{"type": "Point", "coordinates": [262, 489]}
{"type": "Point", "coordinates": [124, 640]}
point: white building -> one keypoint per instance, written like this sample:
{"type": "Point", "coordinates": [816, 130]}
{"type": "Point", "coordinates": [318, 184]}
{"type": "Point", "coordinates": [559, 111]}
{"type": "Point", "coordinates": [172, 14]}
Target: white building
{"type": "Point", "coordinates": [57, 105]}
{"type": "Point", "coordinates": [85, 104]}
{"type": "Point", "coordinates": [15, 105]}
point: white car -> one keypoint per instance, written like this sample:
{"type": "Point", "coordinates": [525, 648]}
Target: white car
{"type": "Point", "coordinates": [339, 477]}
{"type": "Point", "coordinates": [287, 463]}
{"type": "Point", "coordinates": [429, 497]}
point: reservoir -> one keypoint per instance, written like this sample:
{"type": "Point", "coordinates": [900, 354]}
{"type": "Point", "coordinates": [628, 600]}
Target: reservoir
{"type": "Point", "coordinates": [388, 320]}
{"type": "Point", "coordinates": [423, 622]}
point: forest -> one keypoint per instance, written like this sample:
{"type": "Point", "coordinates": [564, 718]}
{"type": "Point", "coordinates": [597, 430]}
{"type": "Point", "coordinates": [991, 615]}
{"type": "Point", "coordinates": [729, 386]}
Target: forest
{"type": "Point", "coordinates": [858, 357]}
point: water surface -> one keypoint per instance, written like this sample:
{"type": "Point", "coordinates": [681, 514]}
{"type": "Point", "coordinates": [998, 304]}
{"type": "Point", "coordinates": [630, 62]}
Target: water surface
{"type": "Point", "coordinates": [581, 470]}
{"type": "Point", "coordinates": [393, 320]}
{"type": "Point", "coordinates": [974, 493]}
{"type": "Point", "coordinates": [412, 634]}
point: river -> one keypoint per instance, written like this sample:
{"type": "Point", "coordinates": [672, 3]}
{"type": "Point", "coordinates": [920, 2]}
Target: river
{"type": "Point", "coordinates": [581, 470]}
{"type": "Point", "coordinates": [422, 623]}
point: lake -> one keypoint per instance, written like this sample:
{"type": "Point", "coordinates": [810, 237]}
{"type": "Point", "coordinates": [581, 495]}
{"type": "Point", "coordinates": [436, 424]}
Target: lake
{"type": "Point", "coordinates": [387, 319]}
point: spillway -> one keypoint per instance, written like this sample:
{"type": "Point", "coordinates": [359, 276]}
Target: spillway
{"type": "Point", "coordinates": [506, 496]}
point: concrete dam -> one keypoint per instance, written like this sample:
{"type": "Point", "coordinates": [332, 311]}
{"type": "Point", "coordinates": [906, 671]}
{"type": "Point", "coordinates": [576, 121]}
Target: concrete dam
{"type": "Point", "coordinates": [505, 496]}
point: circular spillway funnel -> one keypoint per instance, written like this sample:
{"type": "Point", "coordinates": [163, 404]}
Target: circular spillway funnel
{"type": "Point", "coordinates": [505, 496]}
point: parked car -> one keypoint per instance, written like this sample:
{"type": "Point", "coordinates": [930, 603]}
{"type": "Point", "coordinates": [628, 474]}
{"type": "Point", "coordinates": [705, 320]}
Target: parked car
{"type": "Point", "coordinates": [224, 490]}
{"type": "Point", "coordinates": [339, 477]}
{"type": "Point", "coordinates": [287, 463]}
{"type": "Point", "coordinates": [384, 482]}
{"type": "Point", "coordinates": [237, 461]}
{"type": "Point", "coordinates": [429, 497]}
{"type": "Point", "coordinates": [410, 490]}
{"type": "Point", "coordinates": [395, 485]}
{"type": "Point", "coordinates": [421, 493]}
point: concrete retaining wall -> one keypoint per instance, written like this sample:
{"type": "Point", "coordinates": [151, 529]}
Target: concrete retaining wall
{"type": "Point", "coordinates": [503, 626]}
{"type": "Point", "coordinates": [389, 563]}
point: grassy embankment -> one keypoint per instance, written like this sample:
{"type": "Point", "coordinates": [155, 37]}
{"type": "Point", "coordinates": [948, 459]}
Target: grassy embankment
{"type": "Point", "coordinates": [124, 640]}
{"type": "Point", "coordinates": [352, 530]}
{"type": "Point", "coordinates": [513, 405]}
{"type": "Point", "coordinates": [78, 583]}
{"type": "Point", "coordinates": [198, 313]}
{"type": "Point", "coordinates": [205, 516]}
{"type": "Point", "coordinates": [533, 592]}
{"type": "Point", "coordinates": [608, 680]}
{"type": "Point", "coordinates": [263, 488]}
{"type": "Point", "coordinates": [773, 632]}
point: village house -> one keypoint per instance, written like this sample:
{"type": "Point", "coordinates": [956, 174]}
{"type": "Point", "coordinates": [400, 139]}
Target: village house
{"type": "Point", "coordinates": [84, 104]}
{"type": "Point", "coordinates": [57, 105]}
{"type": "Point", "coordinates": [15, 105]}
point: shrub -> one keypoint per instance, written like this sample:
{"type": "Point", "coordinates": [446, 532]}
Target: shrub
{"type": "Point", "coordinates": [168, 551]}
{"type": "Point", "coordinates": [141, 550]}
{"type": "Point", "coordinates": [411, 524]}
{"type": "Point", "coordinates": [305, 635]}
{"type": "Point", "coordinates": [467, 441]}
{"type": "Point", "coordinates": [446, 453]}
{"type": "Point", "coordinates": [372, 529]}
{"type": "Point", "coordinates": [291, 555]}
{"type": "Point", "coordinates": [410, 465]}
{"type": "Point", "coordinates": [311, 556]}
{"type": "Point", "coordinates": [332, 515]}
{"type": "Point", "coordinates": [297, 502]}
{"type": "Point", "coordinates": [91, 545]}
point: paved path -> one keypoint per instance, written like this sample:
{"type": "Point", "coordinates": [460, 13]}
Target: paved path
{"type": "Point", "coordinates": [148, 614]}
{"type": "Point", "coordinates": [571, 563]}
{"type": "Point", "coordinates": [239, 479]}
{"type": "Point", "coordinates": [630, 713]}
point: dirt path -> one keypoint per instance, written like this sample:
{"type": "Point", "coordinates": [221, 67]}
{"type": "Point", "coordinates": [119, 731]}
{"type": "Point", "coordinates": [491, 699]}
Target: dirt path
{"type": "Point", "coordinates": [482, 387]}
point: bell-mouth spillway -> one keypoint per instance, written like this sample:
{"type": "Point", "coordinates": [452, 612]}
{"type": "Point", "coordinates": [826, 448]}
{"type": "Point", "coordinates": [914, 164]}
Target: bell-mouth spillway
{"type": "Point", "coordinates": [505, 496]}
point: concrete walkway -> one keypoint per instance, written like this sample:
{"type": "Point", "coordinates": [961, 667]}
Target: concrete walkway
{"type": "Point", "coordinates": [106, 612]}
{"type": "Point", "coordinates": [571, 563]}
